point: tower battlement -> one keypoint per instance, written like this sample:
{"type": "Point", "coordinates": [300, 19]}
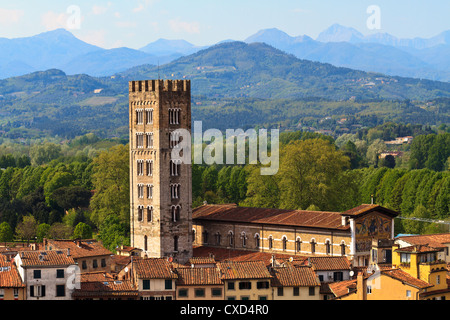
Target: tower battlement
{"type": "Point", "coordinates": [159, 85]}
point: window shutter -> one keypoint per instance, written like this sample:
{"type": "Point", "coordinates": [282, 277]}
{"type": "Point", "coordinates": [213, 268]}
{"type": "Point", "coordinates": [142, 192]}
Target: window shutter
{"type": "Point", "coordinates": [31, 291]}
{"type": "Point", "coordinates": [43, 291]}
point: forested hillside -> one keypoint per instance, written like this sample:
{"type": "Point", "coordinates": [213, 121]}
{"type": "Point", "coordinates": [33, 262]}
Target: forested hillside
{"type": "Point", "coordinates": [81, 189]}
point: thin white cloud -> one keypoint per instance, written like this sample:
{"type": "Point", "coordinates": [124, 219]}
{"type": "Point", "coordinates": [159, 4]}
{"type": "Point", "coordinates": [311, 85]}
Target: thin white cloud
{"type": "Point", "coordinates": [95, 37]}
{"type": "Point", "coordinates": [143, 4]}
{"type": "Point", "coordinates": [8, 17]}
{"type": "Point", "coordinates": [179, 26]}
{"type": "Point", "coordinates": [97, 10]}
{"type": "Point", "coordinates": [52, 20]}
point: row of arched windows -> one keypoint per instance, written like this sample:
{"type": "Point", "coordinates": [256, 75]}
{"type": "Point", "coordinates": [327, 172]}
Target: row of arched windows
{"type": "Point", "coordinates": [147, 212]}
{"type": "Point", "coordinates": [299, 244]}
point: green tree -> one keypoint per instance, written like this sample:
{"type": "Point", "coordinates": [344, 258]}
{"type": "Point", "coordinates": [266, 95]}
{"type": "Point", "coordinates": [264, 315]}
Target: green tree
{"type": "Point", "coordinates": [414, 226]}
{"type": "Point", "coordinates": [262, 191]}
{"type": "Point", "coordinates": [82, 231]}
{"type": "Point", "coordinates": [71, 197]}
{"type": "Point", "coordinates": [6, 232]}
{"type": "Point", "coordinates": [27, 228]}
{"type": "Point", "coordinates": [111, 182]}
{"type": "Point", "coordinates": [420, 147]}
{"type": "Point", "coordinates": [388, 162]}
{"type": "Point", "coordinates": [42, 231]}
{"type": "Point", "coordinates": [59, 230]}
{"type": "Point", "coordinates": [311, 173]}
{"type": "Point", "coordinates": [113, 232]}
{"type": "Point", "coordinates": [439, 153]}
{"type": "Point", "coordinates": [41, 154]}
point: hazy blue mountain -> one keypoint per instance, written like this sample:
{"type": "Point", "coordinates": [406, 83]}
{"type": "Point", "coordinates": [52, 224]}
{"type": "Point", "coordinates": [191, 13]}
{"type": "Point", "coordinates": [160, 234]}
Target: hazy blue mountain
{"type": "Point", "coordinates": [257, 70]}
{"type": "Point", "coordinates": [339, 33]}
{"type": "Point", "coordinates": [338, 45]}
{"type": "Point", "coordinates": [40, 52]}
{"type": "Point", "coordinates": [346, 47]}
{"type": "Point", "coordinates": [164, 47]}
{"type": "Point", "coordinates": [107, 62]}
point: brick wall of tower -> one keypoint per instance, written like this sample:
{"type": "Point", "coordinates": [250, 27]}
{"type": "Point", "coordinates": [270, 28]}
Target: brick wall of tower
{"type": "Point", "coordinates": [159, 96]}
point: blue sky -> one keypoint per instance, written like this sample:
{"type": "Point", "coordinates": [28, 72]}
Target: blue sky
{"type": "Point", "coordinates": [135, 23]}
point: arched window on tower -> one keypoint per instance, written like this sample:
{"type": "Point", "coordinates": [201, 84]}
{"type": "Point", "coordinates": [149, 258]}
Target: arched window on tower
{"type": "Point", "coordinates": [149, 214]}
{"type": "Point", "coordinates": [176, 212]}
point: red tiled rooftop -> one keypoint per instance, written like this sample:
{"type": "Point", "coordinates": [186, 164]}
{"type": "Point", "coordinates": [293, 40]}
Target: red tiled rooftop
{"type": "Point", "coordinates": [9, 276]}
{"type": "Point", "coordinates": [198, 276]}
{"type": "Point", "coordinates": [80, 248]}
{"type": "Point", "coordinates": [154, 268]}
{"type": "Point", "coordinates": [243, 270]}
{"type": "Point", "coordinates": [330, 263]}
{"type": "Point", "coordinates": [406, 278]}
{"type": "Point", "coordinates": [290, 276]}
{"type": "Point", "coordinates": [299, 218]}
{"type": "Point", "coordinates": [46, 258]}
{"type": "Point", "coordinates": [367, 208]}
{"type": "Point", "coordinates": [433, 240]}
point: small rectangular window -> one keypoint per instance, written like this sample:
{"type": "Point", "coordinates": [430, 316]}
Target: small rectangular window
{"type": "Point", "coordinates": [36, 274]}
{"type": "Point", "coordinates": [245, 285]}
{"type": "Point", "coordinates": [216, 292]}
{"type": "Point", "coordinates": [183, 293]}
{"type": "Point", "coordinates": [168, 285]}
{"type": "Point", "coordinates": [145, 284]}
{"type": "Point", "coordinates": [60, 290]}
{"type": "Point", "coordinates": [60, 273]}
{"type": "Point", "coordinates": [199, 292]}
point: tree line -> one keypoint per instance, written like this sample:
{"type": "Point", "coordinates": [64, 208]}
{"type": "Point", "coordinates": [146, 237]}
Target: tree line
{"type": "Point", "coordinates": [81, 190]}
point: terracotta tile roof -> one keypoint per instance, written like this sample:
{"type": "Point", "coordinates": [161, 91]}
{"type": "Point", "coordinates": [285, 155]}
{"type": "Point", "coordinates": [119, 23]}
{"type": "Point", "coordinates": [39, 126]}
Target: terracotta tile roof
{"type": "Point", "coordinates": [433, 240]}
{"type": "Point", "coordinates": [96, 277]}
{"type": "Point", "coordinates": [290, 276]}
{"type": "Point", "coordinates": [120, 260]}
{"type": "Point", "coordinates": [330, 263]}
{"type": "Point", "coordinates": [80, 248]}
{"type": "Point", "coordinates": [299, 218]}
{"type": "Point", "coordinates": [405, 277]}
{"type": "Point", "coordinates": [46, 258]}
{"type": "Point", "coordinates": [154, 268]}
{"type": "Point", "coordinates": [342, 288]}
{"type": "Point", "coordinates": [222, 254]}
{"type": "Point", "coordinates": [419, 249]}
{"type": "Point", "coordinates": [100, 284]}
{"type": "Point", "coordinates": [202, 260]}
{"type": "Point", "coordinates": [367, 208]}
{"type": "Point", "coordinates": [243, 270]}
{"type": "Point", "coordinates": [9, 276]}
{"type": "Point", "coordinates": [198, 276]}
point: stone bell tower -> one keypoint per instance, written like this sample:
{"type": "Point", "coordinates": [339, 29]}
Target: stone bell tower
{"type": "Point", "coordinates": [160, 188]}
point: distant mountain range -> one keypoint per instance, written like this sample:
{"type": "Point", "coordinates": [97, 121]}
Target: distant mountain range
{"type": "Point", "coordinates": [234, 85]}
{"type": "Point", "coordinates": [338, 45]}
